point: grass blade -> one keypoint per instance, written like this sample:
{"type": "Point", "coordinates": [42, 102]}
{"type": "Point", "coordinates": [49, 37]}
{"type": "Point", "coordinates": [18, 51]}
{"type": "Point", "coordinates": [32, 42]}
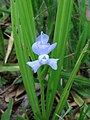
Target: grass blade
{"type": "Point", "coordinates": [7, 113]}
{"type": "Point", "coordinates": [66, 90]}
{"type": "Point", "coordinates": [80, 102]}
{"type": "Point", "coordinates": [60, 36]}
{"type": "Point", "coordinates": [78, 79]}
{"type": "Point", "coordinates": [2, 51]}
{"type": "Point", "coordinates": [22, 55]}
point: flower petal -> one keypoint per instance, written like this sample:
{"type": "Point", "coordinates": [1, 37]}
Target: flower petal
{"type": "Point", "coordinates": [53, 63]}
{"type": "Point", "coordinates": [51, 48]}
{"type": "Point", "coordinates": [43, 59]}
{"type": "Point", "coordinates": [34, 65]}
{"type": "Point", "coordinates": [35, 48]}
{"type": "Point", "coordinates": [43, 38]}
{"type": "Point", "coordinates": [40, 49]}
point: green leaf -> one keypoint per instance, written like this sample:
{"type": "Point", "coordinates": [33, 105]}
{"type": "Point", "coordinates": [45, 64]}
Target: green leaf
{"type": "Point", "coordinates": [20, 118]}
{"type": "Point", "coordinates": [67, 88]}
{"type": "Point", "coordinates": [60, 36]}
{"type": "Point", "coordinates": [81, 102]}
{"type": "Point", "coordinates": [83, 91]}
{"type": "Point", "coordinates": [78, 79]}
{"type": "Point", "coordinates": [83, 112]}
{"type": "Point", "coordinates": [5, 11]}
{"type": "Point", "coordinates": [24, 36]}
{"type": "Point", "coordinates": [7, 113]}
{"type": "Point", "coordinates": [82, 39]}
{"type": "Point", "coordinates": [2, 51]}
{"type": "Point", "coordinates": [9, 68]}
{"type": "Point", "coordinates": [51, 9]}
{"type": "Point", "coordinates": [2, 81]}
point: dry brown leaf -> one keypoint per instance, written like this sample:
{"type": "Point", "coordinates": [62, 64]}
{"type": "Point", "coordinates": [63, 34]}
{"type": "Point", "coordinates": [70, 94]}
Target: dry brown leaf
{"type": "Point", "coordinates": [20, 90]}
{"type": "Point", "coordinates": [10, 95]}
{"type": "Point", "coordinates": [14, 92]}
{"type": "Point", "coordinates": [10, 46]}
{"type": "Point", "coordinates": [88, 14]}
{"type": "Point", "coordinates": [87, 100]}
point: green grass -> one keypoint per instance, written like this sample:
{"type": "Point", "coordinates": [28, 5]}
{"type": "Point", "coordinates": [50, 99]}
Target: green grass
{"type": "Point", "coordinates": [65, 21]}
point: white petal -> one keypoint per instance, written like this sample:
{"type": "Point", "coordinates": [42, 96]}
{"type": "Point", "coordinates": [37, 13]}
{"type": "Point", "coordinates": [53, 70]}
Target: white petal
{"type": "Point", "coordinates": [34, 65]}
{"type": "Point", "coordinates": [43, 38]}
{"type": "Point", "coordinates": [53, 63]}
{"type": "Point", "coordinates": [43, 59]}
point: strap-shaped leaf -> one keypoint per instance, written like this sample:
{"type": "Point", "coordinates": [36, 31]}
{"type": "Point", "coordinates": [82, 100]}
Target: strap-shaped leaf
{"type": "Point", "coordinates": [22, 52]}
{"type": "Point", "coordinates": [60, 36]}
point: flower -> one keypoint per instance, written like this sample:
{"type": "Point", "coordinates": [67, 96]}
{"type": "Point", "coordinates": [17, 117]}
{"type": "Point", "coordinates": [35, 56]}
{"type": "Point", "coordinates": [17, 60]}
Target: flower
{"type": "Point", "coordinates": [42, 60]}
{"type": "Point", "coordinates": [42, 48]}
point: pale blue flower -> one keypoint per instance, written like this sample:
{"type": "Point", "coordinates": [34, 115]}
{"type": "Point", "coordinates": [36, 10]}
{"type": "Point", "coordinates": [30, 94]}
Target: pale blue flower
{"type": "Point", "coordinates": [42, 60]}
{"type": "Point", "coordinates": [42, 48]}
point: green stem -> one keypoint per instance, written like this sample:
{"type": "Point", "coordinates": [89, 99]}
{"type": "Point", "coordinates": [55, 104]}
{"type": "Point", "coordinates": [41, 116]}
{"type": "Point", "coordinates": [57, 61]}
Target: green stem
{"type": "Point", "coordinates": [42, 97]}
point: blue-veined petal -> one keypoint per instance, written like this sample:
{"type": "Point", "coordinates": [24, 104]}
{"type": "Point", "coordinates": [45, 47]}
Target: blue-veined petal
{"type": "Point", "coordinates": [43, 38]}
{"type": "Point", "coordinates": [34, 65]}
{"type": "Point", "coordinates": [40, 49]}
{"type": "Point", "coordinates": [43, 59]}
{"type": "Point", "coordinates": [53, 63]}
{"type": "Point", "coordinates": [43, 49]}
{"type": "Point", "coordinates": [51, 47]}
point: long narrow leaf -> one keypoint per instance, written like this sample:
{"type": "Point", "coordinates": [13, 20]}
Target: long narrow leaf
{"type": "Point", "coordinates": [7, 113]}
{"type": "Point", "coordinates": [23, 57]}
{"type": "Point", "coordinates": [2, 51]}
{"type": "Point", "coordinates": [60, 36]}
{"type": "Point", "coordinates": [65, 93]}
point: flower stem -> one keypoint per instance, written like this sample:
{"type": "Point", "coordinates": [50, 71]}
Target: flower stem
{"type": "Point", "coordinates": [42, 96]}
